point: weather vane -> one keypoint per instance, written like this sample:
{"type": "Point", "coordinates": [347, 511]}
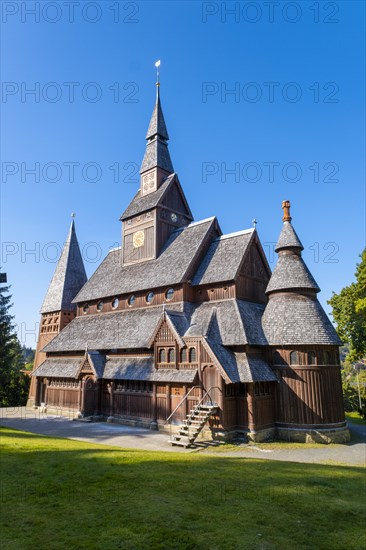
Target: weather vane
{"type": "Point", "coordinates": [73, 214]}
{"type": "Point", "coordinates": [254, 222]}
{"type": "Point", "coordinates": [157, 65]}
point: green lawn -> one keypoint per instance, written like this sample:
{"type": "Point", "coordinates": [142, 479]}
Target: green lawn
{"type": "Point", "coordinates": [356, 418]}
{"type": "Point", "coordinates": [63, 494]}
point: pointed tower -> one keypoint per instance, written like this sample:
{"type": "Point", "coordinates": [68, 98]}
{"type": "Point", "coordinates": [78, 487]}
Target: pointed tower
{"type": "Point", "coordinates": [57, 309]}
{"type": "Point", "coordinates": [159, 207]}
{"type": "Point", "coordinates": [156, 164]}
{"type": "Point", "coordinates": [304, 348]}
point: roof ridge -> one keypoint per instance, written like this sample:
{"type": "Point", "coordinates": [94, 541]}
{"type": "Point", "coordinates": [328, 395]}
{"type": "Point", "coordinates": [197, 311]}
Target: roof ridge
{"type": "Point", "coordinates": [235, 234]}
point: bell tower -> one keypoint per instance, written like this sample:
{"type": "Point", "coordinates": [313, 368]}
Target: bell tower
{"type": "Point", "coordinates": [159, 206]}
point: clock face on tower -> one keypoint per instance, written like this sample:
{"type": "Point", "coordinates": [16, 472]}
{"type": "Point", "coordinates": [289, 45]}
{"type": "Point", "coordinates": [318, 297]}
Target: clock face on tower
{"type": "Point", "coordinates": [138, 239]}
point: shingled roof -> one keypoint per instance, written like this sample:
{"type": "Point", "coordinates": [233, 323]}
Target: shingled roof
{"type": "Point", "coordinates": [68, 279]}
{"type": "Point", "coordinates": [238, 366]}
{"type": "Point", "coordinates": [288, 238]}
{"type": "Point", "coordinates": [62, 367]}
{"type": "Point", "coordinates": [297, 320]}
{"type": "Point", "coordinates": [142, 368]}
{"type": "Point", "coordinates": [239, 321]}
{"type": "Point", "coordinates": [174, 265]}
{"type": "Point", "coordinates": [143, 203]}
{"type": "Point", "coordinates": [291, 273]}
{"type": "Point", "coordinates": [223, 258]}
{"type": "Point", "coordinates": [130, 329]}
{"type": "Point", "coordinates": [157, 153]}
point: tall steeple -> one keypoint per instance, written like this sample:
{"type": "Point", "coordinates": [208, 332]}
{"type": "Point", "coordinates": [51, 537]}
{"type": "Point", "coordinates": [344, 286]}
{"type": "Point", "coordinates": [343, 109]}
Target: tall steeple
{"type": "Point", "coordinates": [156, 164]}
{"type": "Point", "coordinates": [68, 278]}
{"type": "Point", "coordinates": [57, 309]}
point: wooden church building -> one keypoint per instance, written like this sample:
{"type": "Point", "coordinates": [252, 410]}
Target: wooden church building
{"type": "Point", "coordinates": [187, 328]}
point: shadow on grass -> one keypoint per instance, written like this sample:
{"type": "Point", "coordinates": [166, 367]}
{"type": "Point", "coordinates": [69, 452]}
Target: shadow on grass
{"type": "Point", "coordinates": [58, 493]}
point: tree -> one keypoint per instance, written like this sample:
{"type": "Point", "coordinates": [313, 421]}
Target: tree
{"type": "Point", "coordinates": [349, 313]}
{"type": "Point", "coordinates": [13, 383]}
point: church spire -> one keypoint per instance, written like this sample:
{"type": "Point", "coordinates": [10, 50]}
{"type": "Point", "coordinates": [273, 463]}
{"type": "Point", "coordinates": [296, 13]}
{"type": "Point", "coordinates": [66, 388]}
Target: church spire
{"type": "Point", "coordinates": [156, 164]}
{"type": "Point", "coordinates": [69, 276]}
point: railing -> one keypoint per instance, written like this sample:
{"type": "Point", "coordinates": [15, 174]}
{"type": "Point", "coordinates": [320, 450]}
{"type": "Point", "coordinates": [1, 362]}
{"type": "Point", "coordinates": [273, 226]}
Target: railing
{"type": "Point", "coordinates": [189, 417]}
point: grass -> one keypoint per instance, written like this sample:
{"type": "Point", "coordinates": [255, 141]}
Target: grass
{"type": "Point", "coordinates": [58, 494]}
{"type": "Point", "coordinates": [356, 418]}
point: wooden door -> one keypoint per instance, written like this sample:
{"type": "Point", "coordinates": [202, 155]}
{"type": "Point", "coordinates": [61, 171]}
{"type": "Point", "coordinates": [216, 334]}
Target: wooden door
{"type": "Point", "coordinates": [211, 380]}
{"type": "Point", "coordinates": [90, 397]}
{"type": "Point", "coordinates": [176, 396]}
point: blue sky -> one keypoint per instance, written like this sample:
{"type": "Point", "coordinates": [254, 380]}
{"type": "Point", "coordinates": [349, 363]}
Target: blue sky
{"type": "Point", "coordinates": [262, 103]}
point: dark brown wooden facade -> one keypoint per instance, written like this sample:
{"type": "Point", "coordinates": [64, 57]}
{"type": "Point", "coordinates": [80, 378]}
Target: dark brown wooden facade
{"type": "Point", "coordinates": [181, 310]}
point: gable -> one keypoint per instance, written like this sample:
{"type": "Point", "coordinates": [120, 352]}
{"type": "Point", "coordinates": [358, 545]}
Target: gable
{"type": "Point", "coordinates": [174, 199]}
{"type": "Point", "coordinates": [255, 263]}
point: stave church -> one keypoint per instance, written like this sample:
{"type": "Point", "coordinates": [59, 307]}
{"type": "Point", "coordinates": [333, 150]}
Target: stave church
{"type": "Point", "coordinates": [186, 330]}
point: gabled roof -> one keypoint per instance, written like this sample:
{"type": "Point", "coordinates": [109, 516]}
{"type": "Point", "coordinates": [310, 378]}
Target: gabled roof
{"type": "Point", "coordinates": [97, 362]}
{"type": "Point", "coordinates": [238, 366]}
{"type": "Point", "coordinates": [173, 266]}
{"type": "Point", "coordinates": [291, 273]}
{"type": "Point", "coordinates": [143, 203]}
{"type": "Point", "coordinates": [297, 320]}
{"type": "Point", "coordinates": [239, 321]}
{"type": "Point", "coordinates": [61, 367]}
{"type": "Point", "coordinates": [129, 329]}
{"type": "Point", "coordinates": [142, 368]}
{"type": "Point", "coordinates": [68, 279]}
{"type": "Point", "coordinates": [288, 238]}
{"type": "Point", "coordinates": [223, 258]}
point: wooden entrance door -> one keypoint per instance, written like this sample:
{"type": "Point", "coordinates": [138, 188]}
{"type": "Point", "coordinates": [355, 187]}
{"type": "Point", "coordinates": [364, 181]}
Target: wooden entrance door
{"type": "Point", "coordinates": [211, 380]}
{"type": "Point", "coordinates": [90, 397]}
{"type": "Point", "coordinates": [176, 396]}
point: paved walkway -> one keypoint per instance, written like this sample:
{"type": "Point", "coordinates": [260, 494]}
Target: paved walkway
{"type": "Point", "coordinates": [118, 435]}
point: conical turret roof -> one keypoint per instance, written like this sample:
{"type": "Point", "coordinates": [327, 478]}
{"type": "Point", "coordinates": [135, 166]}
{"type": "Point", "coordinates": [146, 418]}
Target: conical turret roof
{"type": "Point", "coordinates": [288, 238]}
{"type": "Point", "coordinates": [68, 279]}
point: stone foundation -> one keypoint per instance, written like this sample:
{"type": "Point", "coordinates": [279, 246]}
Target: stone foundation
{"type": "Point", "coordinates": [314, 435]}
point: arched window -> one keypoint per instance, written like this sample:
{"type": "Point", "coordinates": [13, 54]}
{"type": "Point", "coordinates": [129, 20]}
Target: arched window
{"type": "Point", "coordinates": [192, 355]}
{"type": "Point", "coordinates": [162, 356]}
{"type": "Point", "coordinates": [311, 358]}
{"type": "Point", "coordinates": [294, 358]}
{"type": "Point", "coordinates": [326, 356]}
{"type": "Point", "coordinates": [183, 355]}
{"type": "Point", "coordinates": [171, 356]}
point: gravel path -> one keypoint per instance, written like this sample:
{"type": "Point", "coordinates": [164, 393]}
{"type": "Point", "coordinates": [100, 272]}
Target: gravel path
{"type": "Point", "coordinates": [354, 453]}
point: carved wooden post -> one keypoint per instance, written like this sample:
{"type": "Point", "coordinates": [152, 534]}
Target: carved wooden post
{"type": "Point", "coordinates": [185, 402]}
{"type": "Point", "coordinates": [251, 408]}
{"type": "Point", "coordinates": [168, 400]}
{"type": "Point", "coordinates": [154, 425]}
{"type": "Point", "coordinates": [111, 400]}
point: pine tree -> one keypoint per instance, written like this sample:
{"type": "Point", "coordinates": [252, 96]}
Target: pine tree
{"type": "Point", "coordinates": [13, 383]}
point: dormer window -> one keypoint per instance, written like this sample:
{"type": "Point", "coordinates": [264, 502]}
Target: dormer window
{"type": "Point", "coordinates": [192, 355]}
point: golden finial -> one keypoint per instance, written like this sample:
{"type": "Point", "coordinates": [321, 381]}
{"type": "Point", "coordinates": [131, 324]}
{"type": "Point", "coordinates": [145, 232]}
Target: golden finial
{"type": "Point", "coordinates": [286, 211]}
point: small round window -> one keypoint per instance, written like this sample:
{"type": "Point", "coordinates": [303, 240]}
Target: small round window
{"type": "Point", "coordinates": [169, 294]}
{"type": "Point", "coordinates": [131, 300]}
{"type": "Point", "coordinates": [150, 297]}
{"type": "Point", "coordinates": [86, 308]}
{"type": "Point", "coordinates": [100, 306]}
{"type": "Point", "coordinates": [115, 303]}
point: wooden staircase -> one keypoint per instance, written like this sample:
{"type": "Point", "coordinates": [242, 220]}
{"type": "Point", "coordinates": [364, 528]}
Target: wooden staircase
{"type": "Point", "coordinates": [193, 424]}
{"type": "Point", "coordinates": [195, 419]}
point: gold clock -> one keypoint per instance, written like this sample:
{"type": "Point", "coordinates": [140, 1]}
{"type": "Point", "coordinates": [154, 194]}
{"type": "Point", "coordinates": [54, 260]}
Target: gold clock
{"type": "Point", "coordinates": [138, 239]}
